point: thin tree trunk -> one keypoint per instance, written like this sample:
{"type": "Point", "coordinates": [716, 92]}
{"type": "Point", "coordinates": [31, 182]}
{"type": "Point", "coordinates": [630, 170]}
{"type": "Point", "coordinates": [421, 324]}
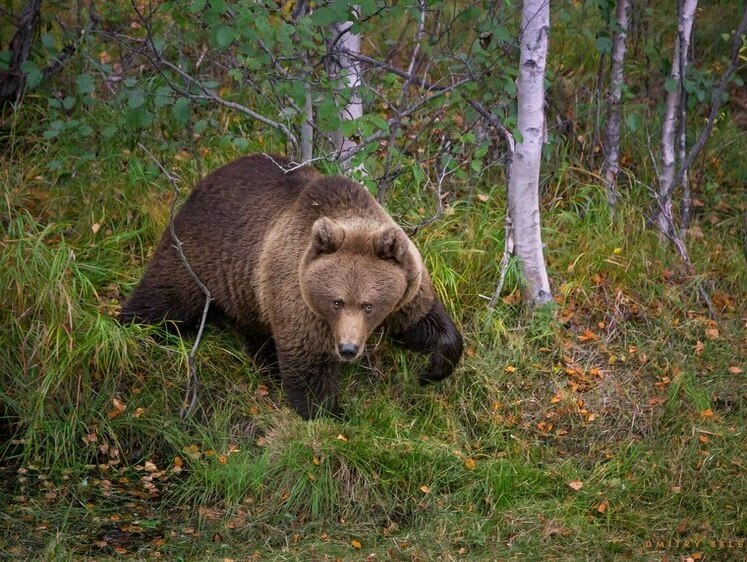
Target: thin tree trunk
{"type": "Point", "coordinates": [307, 129]}
{"type": "Point", "coordinates": [349, 69]}
{"type": "Point", "coordinates": [614, 117]}
{"type": "Point", "coordinates": [523, 187]}
{"type": "Point", "coordinates": [665, 217]}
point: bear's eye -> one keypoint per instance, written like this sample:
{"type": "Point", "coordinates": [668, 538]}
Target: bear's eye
{"type": "Point", "coordinates": [338, 304]}
{"type": "Point", "coordinates": [366, 306]}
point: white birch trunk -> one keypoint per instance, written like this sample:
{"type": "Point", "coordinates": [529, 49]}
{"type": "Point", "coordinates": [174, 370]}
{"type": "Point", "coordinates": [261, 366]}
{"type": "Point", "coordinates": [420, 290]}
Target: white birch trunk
{"type": "Point", "coordinates": [617, 79]}
{"type": "Point", "coordinates": [523, 186]}
{"type": "Point", "coordinates": [350, 71]}
{"type": "Point", "coordinates": [307, 129]}
{"type": "Point", "coordinates": [665, 217]}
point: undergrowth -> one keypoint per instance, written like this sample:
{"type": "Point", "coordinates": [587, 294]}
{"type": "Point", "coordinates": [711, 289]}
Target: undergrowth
{"type": "Point", "coordinates": [609, 426]}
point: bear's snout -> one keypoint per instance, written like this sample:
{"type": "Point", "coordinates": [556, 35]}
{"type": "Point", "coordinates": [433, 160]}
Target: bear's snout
{"type": "Point", "coordinates": [348, 351]}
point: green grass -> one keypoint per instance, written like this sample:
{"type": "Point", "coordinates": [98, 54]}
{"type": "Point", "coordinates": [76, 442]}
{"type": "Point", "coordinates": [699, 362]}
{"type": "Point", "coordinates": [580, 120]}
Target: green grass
{"type": "Point", "coordinates": [623, 386]}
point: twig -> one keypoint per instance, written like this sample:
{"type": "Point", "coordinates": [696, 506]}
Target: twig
{"type": "Point", "coordinates": [385, 177]}
{"type": "Point", "coordinates": [508, 249]}
{"type": "Point", "coordinates": [445, 144]}
{"type": "Point", "coordinates": [294, 165]}
{"type": "Point", "coordinates": [157, 59]}
{"type": "Point", "coordinates": [190, 395]}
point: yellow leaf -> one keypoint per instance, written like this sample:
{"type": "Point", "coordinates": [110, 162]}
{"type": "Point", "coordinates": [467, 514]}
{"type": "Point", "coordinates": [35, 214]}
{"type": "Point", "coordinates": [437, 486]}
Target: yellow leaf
{"type": "Point", "coordinates": [95, 227]}
{"type": "Point", "coordinates": [699, 347]}
{"type": "Point", "coordinates": [425, 489]}
{"type": "Point", "coordinates": [706, 413]}
{"type": "Point", "coordinates": [356, 544]}
{"type": "Point", "coordinates": [510, 369]}
{"type": "Point", "coordinates": [342, 438]}
{"type": "Point", "coordinates": [576, 484]}
{"type": "Point", "coordinates": [555, 399]}
{"type": "Point", "coordinates": [483, 198]}
{"type": "Point", "coordinates": [617, 251]}
{"type": "Point", "coordinates": [470, 464]}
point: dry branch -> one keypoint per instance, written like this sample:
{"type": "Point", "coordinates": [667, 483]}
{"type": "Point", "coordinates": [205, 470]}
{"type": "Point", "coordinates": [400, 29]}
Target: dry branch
{"type": "Point", "coordinates": [190, 395]}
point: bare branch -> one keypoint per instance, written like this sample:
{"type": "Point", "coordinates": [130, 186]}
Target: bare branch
{"type": "Point", "coordinates": [508, 250]}
{"type": "Point", "coordinates": [190, 395]}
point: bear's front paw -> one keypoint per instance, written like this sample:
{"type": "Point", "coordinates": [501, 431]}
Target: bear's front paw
{"type": "Point", "coordinates": [438, 369]}
{"type": "Point", "coordinates": [445, 357]}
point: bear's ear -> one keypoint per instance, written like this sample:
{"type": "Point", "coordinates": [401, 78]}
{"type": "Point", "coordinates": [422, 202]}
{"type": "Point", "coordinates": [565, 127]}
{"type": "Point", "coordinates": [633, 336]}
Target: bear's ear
{"type": "Point", "coordinates": [326, 237]}
{"type": "Point", "coordinates": [391, 244]}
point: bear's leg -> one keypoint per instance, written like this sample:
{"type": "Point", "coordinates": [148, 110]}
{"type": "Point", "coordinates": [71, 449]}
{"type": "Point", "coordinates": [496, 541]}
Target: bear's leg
{"type": "Point", "coordinates": [264, 354]}
{"type": "Point", "coordinates": [310, 383]}
{"type": "Point", "coordinates": [434, 334]}
{"type": "Point", "coordinates": [157, 299]}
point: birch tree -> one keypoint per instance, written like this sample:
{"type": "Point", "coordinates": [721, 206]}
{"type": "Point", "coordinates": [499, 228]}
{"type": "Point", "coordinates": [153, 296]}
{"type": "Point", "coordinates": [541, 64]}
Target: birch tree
{"type": "Point", "coordinates": [523, 183]}
{"type": "Point", "coordinates": [614, 118]}
{"type": "Point", "coordinates": [672, 113]}
{"type": "Point", "coordinates": [345, 65]}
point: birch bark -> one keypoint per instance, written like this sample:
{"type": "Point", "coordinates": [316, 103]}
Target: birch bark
{"type": "Point", "coordinates": [665, 218]}
{"type": "Point", "coordinates": [614, 118]}
{"type": "Point", "coordinates": [348, 68]}
{"type": "Point", "coordinates": [523, 185]}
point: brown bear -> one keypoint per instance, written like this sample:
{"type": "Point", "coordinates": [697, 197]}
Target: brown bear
{"type": "Point", "coordinates": [307, 266]}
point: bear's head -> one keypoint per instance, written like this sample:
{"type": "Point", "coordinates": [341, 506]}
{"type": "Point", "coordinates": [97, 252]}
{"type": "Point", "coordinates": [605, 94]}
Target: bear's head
{"type": "Point", "coordinates": [354, 274]}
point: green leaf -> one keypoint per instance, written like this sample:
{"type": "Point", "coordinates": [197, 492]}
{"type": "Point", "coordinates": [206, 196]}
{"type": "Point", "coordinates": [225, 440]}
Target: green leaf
{"type": "Point", "coordinates": [181, 110]}
{"type": "Point", "coordinates": [335, 12]}
{"type": "Point", "coordinates": [136, 99]}
{"type": "Point", "coordinates": [633, 121]}
{"type": "Point", "coordinates": [197, 6]}
{"type": "Point", "coordinates": [241, 144]}
{"type": "Point", "coordinates": [604, 44]}
{"type": "Point", "coordinates": [84, 83]}
{"type": "Point", "coordinates": [163, 97]}
{"type": "Point", "coordinates": [224, 36]}
{"type": "Point", "coordinates": [69, 102]}
{"type": "Point", "coordinates": [109, 132]}
{"type": "Point", "coordinates": [671, 85]}
{"type": "Point", "coordinates": [5, 59]}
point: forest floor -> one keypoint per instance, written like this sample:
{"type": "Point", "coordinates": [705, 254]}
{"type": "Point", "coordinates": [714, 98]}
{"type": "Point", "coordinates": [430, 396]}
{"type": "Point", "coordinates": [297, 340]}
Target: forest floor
{"type": "Point", "coordinates": [610, 427]}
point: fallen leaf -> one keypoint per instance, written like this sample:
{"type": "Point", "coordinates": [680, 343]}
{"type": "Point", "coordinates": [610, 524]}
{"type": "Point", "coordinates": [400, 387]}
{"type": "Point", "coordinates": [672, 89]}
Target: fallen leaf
{"type": "Point", "coordinates": [510, 369]}
{"type": "Point", "coordinates": [706, 414]}
{"type": "Point", "coordinates": [699, 347]}
{"type": "Point", "coordinates": [119, 407]}
{"type": "Point", "coordinates": [356, 544]}
{"type": "Point", "coordinates": [95, 227]}
{"type": "Point", "coordinates": [711, 333]}
{"type": "Point", "coordinates": [483, 198]}
{"type": "Point", "coordinates": [576, 484]}
{"type": "Point", "coordinates": [470, 464]}
{"type": "Point", "coordinates": [425, 489]}
{"type": "Point", "coordinates": [602, 507]}
{"type": "Point", "coordinates": [342, 438]}
{"type": "Point", "coordinates": [734, 370]}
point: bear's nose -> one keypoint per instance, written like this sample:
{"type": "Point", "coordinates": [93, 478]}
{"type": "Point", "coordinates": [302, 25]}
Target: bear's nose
{"type": "Point", "coordinates": [347, 351]}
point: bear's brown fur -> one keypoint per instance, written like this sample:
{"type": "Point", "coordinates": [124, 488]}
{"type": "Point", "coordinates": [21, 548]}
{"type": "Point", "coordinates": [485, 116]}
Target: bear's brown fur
{"type": "Point", "coordinates": [306, 265]}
